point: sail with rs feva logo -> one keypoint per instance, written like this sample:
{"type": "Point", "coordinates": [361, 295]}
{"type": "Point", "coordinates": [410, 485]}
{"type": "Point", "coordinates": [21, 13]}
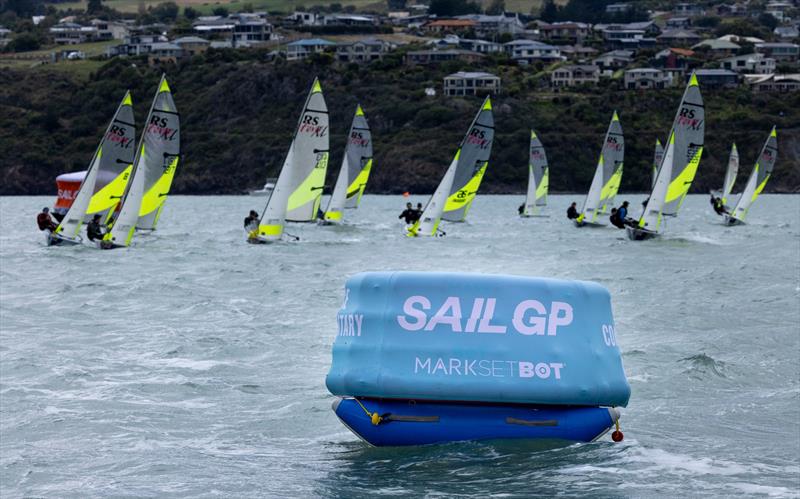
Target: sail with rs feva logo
{"type": "Point", "coordinates": [473, 158]}
{"type": "Point", "coordinates": [757, 180]}
{"type": "Point", "coordinates": [298, 190]}
{"type": "Point", "coordinates": [156, 159]}
{"type": "Point", "coordinates": [538, 179]}
{"type": "Point", "coordinates": [678, 166]}
{"type": "Point", "coordinates": [468, 165]}
{"type": "Point", "coordinates": [113, 157]}
{"type": "Point", "coordinates": [607, 177]}
{"type": "Point", "coordinates": [354, 173]}
{"type": "Point", "coordinates": [162, 146]}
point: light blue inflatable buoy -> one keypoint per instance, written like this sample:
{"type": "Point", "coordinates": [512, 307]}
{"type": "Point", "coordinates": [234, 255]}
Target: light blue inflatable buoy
{"type": "Point", "coordinates": [423, 358]}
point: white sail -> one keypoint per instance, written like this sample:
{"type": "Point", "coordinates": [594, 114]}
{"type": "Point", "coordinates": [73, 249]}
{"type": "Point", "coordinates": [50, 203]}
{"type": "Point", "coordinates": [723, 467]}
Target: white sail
{"type": "Point", "coordinates": [147, 165]}
{"type": "Point", "coordinates": [428, 223]}
{"type": "Point", "coordinates": [162, 148]}
{"type": "Point", "coordinates": [730, 174]}
{"type": "Point", "coordinates": [299, 187]}
{"type": "Point", "coordinates": [758, 177]}
{"type": "Point", "coordinates": [658, 155]}
{"type": "Point", "coordinates": [607, 175]}
{"type": "Point", "coordinates": [653, 211]}
{"type": "Point", "coordinates": [354, 173]}
{"type": "Point", "coordinates": [114, 148]}
{"type": "Point", "coordinates": [538, 178]}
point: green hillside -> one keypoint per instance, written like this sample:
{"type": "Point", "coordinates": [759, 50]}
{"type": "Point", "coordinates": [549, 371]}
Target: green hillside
{"type": "Point", "coordinates": [239, 111]}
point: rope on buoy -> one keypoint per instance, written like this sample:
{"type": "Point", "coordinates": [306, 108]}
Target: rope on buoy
{"type": "Point", "coordinates": [617, 436]}
{"type": "Point", "coordinates": [373, 416]}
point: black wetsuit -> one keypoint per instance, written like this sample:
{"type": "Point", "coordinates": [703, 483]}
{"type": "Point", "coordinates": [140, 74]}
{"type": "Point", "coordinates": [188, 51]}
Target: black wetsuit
{"type": "Point", "coordinates": [248, 221]}
{"type": "Point", "coordinates": [410, 215]}
{"type": "Point", "coordinates": [719, 206]}
{"type": "Point", "coordinates": [572, 213]}
{"type": "Point", "coordinates": [94, 230]}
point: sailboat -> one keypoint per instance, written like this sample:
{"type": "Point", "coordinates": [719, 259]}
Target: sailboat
{"type": "Point", "coordinates": [114, 154]}
{"type": "Point", "coordinates": [538, 179]}
{"type": "Point", "coordinates": [157, 157]}
{"type": "Point", "coordinates": [658, 155]}
{"type": "Point", "coordinates": [758, 179]}
{"type": "Point", "coordinates": [470, 162]}
{"type": "Point", "coordinates": [162, 139]}
{"type": "Point", "coordinates": [607, 176]}
{"type": "Point", "coordinates": [354, 173]}
{"type": "Point", "coordinates": [730, 177]}
{"type": "Point", "coordinates": [298, 191]}
{"type": "Point", "coordinates": [678, 167]}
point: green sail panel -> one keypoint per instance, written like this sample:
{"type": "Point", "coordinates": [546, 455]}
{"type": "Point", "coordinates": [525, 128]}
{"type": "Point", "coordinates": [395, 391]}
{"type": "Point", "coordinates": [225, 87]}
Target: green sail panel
{"type": "Point", "coordinates": [607, 175]}
{"type": "Point", "coordinates": [354, 173]}
{"type": "Point", "coordinates": [658, 156]}
{"type": "Point", "coordinates": [538, 178]}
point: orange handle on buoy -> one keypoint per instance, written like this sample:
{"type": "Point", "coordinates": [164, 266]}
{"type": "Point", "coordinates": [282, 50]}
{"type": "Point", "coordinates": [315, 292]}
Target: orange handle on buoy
{"type": "Point", "coordinates": [617, 436]}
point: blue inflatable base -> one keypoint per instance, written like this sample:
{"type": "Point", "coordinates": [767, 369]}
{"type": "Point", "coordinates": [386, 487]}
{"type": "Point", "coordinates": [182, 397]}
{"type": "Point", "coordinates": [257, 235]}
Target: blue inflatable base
{"type": "Point", "coordinates": [405, 422]}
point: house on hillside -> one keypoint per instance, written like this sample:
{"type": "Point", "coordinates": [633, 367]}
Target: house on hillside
{"type": "Point", "coordinates": [678, 38]}
{"type": "Point", "coordinates": [569, 32]}
{"type": "Point", "coordinates": [471, 83]}
{"type": "Point", "coordinates": [717, 48]}
{"type": "Point", "coordinates": [363, 50]}
{"type": "Point", "coordinates": [438, 56]}
{"type": "Point", "coordinates": [578, 53]}
{"type": "Point", "coordinates": [749, 64]}
{"type": "Point", "coordinates": [164, 52]}
{"type": "Point", "coordinates": [301, 49]}
{"type": "Point", "coordinates": [491, 26]}
{"type": "Point", "coordinates": [773, 82]}
{"type": "Point", "coordinates": [716, 78]}
{"type": "Point", "coordinates": [68, 33]}
{"type": "Point", "coordinates": [192, 45]}
{"type": "Point", "coordinates": [480, 46]}
{"type": "Point", "coordinates": [689, 9]}
{"type": "Point", "coordinates": [570, 76]}
{"type": "Point", "coordinates": [136, 44]}
{"type": "Point", "coordinates": [110, 30]}
{"type": "Point", "coordinates": [678, 22]}
{"type": "Point", "coordinates": [618, 8]}
{"type": "Point", "coordinates": [242, 29]}
{"type": "Point", "coordinates": [787, 33]}
{"type": "Point", "coordinates": [612, 61]}
{"type": "Point", "coordinates": [440, 26]}
{"type": "Point", "coordinates": [676, 61]}
{"type": "Point", "coordinates": [788, 52]}
{"type": "Point", "coordinates": [530, 51]}
{"type": "Point", "coordinates": [647, 78]}
{"type": "Point", "coordinates": [362, 20]}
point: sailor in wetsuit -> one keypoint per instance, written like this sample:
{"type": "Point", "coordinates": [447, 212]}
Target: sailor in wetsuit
{"type": "Point", "coordinates": [94, 231]}
{"type": "Point", "coordinates": [44, 221]}
{"type": "Point", "coordinates": [251, 221]}
{"type": "Point", "coordinates": [409, 214]}
{"type": "Point", "coordinates": [718, 205]}
{"type": "Point", "coordinates": [572, 211]}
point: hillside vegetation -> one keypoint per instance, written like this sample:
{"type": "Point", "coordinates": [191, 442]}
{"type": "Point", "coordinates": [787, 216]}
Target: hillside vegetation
{"type": "Point", "coordinates": [239, 112]}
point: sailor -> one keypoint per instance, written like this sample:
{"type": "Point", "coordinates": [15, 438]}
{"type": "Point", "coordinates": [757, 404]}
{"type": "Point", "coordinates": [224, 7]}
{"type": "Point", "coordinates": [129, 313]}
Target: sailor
{"type": "Point", "coordinates": [572, 211]}
{"type": "Point", "coordinates": [251, 221]}
{"type": "Point", "coordinates": [521, 208]}
{"type": "Point", "coordinates": [622, 216]}
{"type": "Point", "coordinates": [718, 205]}
{"type": "Point", "coordinates": [409, 214]}
{"type": "Point", "coordinates": [44, 221]}
{"type": "Point", "coordinates": [94, 230]}
{"type": "Point", "coordinates": [418, 211]}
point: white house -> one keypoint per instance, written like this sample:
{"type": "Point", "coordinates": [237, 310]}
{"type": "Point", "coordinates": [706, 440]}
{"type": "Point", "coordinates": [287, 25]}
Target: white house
{"type": "Point", "coordinates": [471, 83]}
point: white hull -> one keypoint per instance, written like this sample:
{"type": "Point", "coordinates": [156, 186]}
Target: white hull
{"type": "Point", "coordinates": [638, 234]}
{"type": "Point", "coordinates": [731, 221]}
{"type": "Point", "coordinates": [591, 225]}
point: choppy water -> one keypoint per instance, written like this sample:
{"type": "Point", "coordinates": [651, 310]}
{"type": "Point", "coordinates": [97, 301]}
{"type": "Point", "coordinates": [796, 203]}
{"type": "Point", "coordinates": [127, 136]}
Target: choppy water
{"type": "Point", "coordinates": [193, 364]}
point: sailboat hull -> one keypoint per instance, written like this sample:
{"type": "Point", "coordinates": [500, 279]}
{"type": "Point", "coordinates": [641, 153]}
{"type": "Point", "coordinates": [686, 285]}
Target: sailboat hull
{"type": "Point", "coordinates": [731, 221]}
{"type": "Point", "coordinates": [639, 234]}
{"type": "Point", "coordinates": [56, 240]}
{"type": "Point", "coordinates": [591, 225]}
{"type": "Point", "coordinates": [407, 422]}
{"type": "Point", "coordinates": [534, 216]}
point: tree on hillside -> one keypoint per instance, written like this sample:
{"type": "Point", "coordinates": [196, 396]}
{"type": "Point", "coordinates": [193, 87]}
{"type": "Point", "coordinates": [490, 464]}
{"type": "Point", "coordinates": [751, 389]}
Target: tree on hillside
{"type": "Point", "coordinates": [220, 11]}
{"type": "Point", "coordinates": [165, 12]}
{"type": "Point", "coordinates": [445, 8]}
{"type": "Point", "coordinates": [94, 7]}
{"type": "Point", "coordinates": [396, 4]}
{"type": "Point", "coordinates": [496, 8]}
{"type": "Point", "coordinates": [549, 12]}
{"type": "Point", "coordinates": [768, 21]}
{"type": "Point", "coordinates": [190, 13]}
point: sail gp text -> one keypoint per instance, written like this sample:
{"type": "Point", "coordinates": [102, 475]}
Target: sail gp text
{"type": "Point", "coordinates": [487, 368]}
